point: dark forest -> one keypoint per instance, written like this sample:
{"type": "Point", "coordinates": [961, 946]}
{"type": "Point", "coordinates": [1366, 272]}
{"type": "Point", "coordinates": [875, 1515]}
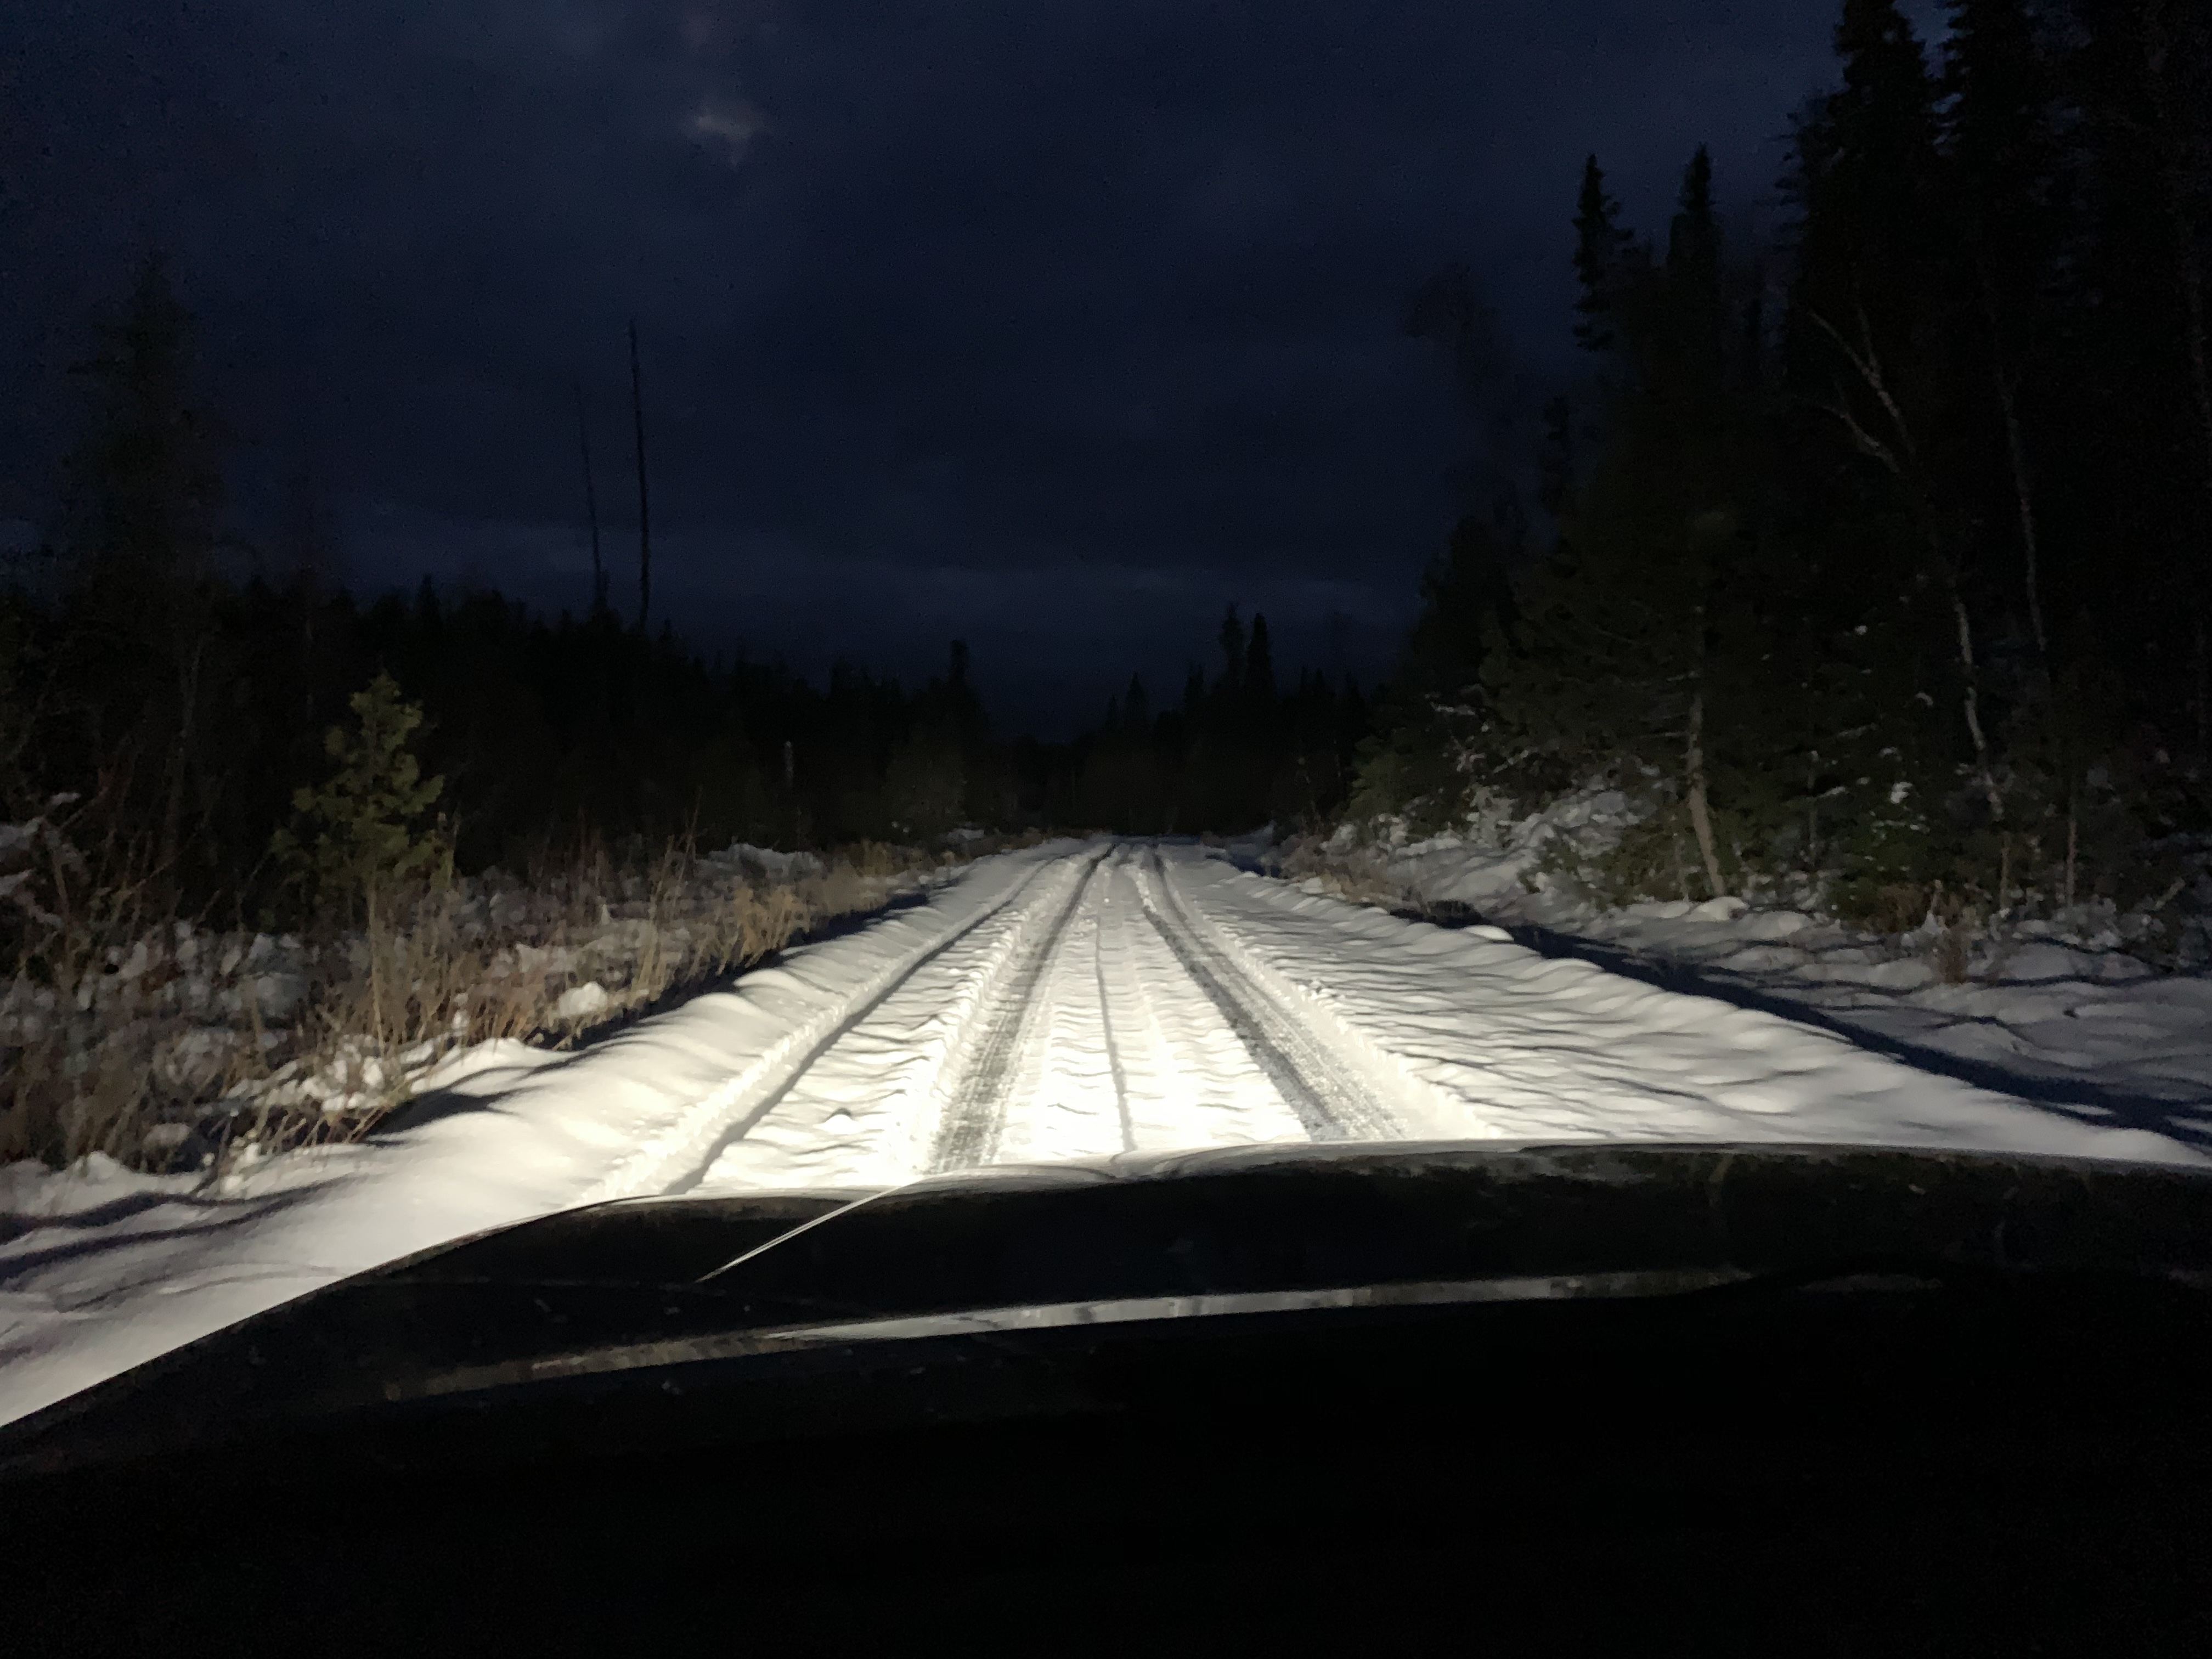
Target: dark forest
{"type": "Point", "coordinates": [1879, 559]}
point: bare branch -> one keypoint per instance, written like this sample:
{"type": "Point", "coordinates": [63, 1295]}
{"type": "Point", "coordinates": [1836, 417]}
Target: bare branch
{"type": "Point", "coordinates": [1861, 439]}
{"type": "Point", "coordinates": [1868, 362]}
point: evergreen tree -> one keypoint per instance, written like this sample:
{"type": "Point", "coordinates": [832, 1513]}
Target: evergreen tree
{"type": "Point", "coordinates": [1622, 630]}
{"type": "Point", "coordinates": [1603, 262]}
{"type": "Point", "coordinates": [1870, 181]}
{"type": "Point", "coordinates": [1889, 503]}
{"type": "Point", "coordinates": [1138, 708]}
{"type": "Point", "coordinates": [925, 788]}
{"type": "Point", "coordinates": [361, 834]}
{"type": "Point", "coordinates": [1898, 611]}
{"type": "Point", "coordinates": [1232, 651]}
{"type": "Point", "coordinates": [144, 488]}
{"type": "Point", "coordinates": [1260, 666]}
{"type": "Point", "coordinates": [143, 497]}
{"type": "Point", "coordinates": [1693, 249]}
{"type": "Point", "coordinates": [1466, 601]}
{"type": "Point", "coordinates": [1555, 459]}
{"type": "Point", "coordinates": [1866, 313]}
{"type": "Point", "coordinates": [1433, 711]}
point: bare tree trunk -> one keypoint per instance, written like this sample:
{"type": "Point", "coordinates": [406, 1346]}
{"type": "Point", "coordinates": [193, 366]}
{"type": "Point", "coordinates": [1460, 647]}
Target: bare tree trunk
{"type": "Point", "coordinates": [373, 914]}
{"type": "Point", "coordinates": [1974, 706]}
{"type": "Point", "coordinates": [1900, 459]}
{"type": "Point", "coordinates": [1972, 700]}
{"type": "Point", "coordinates": [2023, 493]}
{"type": "Point", "coordinates": [2073, 827]}
{"type": "Point", "coordinates": [644, 505]}
{"type": "Point", "coordinates": [1701, 816]}
{"type": "Point", "coordinates": [1813, 813]}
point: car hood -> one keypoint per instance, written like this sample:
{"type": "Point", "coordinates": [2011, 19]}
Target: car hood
{"type": "Point", "coordinates": [643, 1286]}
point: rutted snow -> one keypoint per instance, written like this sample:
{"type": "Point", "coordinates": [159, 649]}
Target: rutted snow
{"type": "Point", "coordinates": [835, 1067]}
{"type": "Point", "coordinates": [861, 1114]}
{"type": "Point", "coordinates": [1121, 1003]}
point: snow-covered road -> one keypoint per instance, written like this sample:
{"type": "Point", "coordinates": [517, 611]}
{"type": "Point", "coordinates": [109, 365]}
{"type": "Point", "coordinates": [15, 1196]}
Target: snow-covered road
{"type": "Point", "coordinates": [1076, 1001]}
{"type": "Point", "coordinates": [1089, 1015]}
{"type": "Point", "coordinates": [1132, 998]}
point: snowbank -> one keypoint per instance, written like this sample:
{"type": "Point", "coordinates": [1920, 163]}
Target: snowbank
{"type": "Point", "coordinates": [2044, 1010]}
{"type": "Point", "coordinates": [1522, 1047]}
{"type": "Point", "coordinates": [102, 1268]}
{"type": "Point", "coordinates": [165, 1046]}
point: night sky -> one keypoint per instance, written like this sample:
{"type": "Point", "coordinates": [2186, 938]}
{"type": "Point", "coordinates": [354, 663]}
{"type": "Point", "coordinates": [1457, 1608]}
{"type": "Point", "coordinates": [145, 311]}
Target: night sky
{"type": "Point", "coordinates": [1054, 325]}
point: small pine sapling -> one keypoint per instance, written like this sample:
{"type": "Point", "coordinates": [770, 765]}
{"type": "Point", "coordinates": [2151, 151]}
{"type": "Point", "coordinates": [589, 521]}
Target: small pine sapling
{"type": "Point", "coordinates": [359, 835]}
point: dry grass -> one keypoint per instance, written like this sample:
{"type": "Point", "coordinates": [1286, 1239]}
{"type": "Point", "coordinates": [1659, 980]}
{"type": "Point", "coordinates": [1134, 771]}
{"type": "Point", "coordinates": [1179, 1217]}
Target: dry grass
{"type": "Point", "coordinates": [1357, 874]}
{"type": "Point", "coordinates": [1952, 954]}
{"type": "Point", "coordinates": [104, 1025]}
{"type": "Point", "coordinates": [174, 1044]}
{"type": "Point", "coordinates": [1950, 925]}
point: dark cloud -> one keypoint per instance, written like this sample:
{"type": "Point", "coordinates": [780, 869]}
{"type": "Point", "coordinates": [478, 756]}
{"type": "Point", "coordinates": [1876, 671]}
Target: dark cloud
{"type": "Point", "coordinates": [1059, 325]}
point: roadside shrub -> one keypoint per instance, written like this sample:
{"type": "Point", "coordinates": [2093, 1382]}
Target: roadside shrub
{"type": "Point", "coordinates": [1352, 872]}
{"type": "Point", "coordinates": [1651, 859]}
{"type": "Point", "coordinates": [168, 1042]}
{"type": "Point", "coordinates": [358, 837]}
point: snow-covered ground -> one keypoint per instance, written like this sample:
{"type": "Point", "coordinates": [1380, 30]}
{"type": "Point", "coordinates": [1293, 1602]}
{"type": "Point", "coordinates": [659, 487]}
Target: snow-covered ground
{"type": "Point", "coordinates": [167, 1045]}
{"type": "Point", "coordinates": [1073, 1001]}
{"type": "Point", "coordinates": [2061, 1013]}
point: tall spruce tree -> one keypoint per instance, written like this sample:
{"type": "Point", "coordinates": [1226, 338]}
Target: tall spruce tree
{"type": "Point", "coordinates": [1260, 665]}
{"type": "Point", "coordinates": [1869, 179]}
{"type": "Point", "coordinates": [1604, 262]}
{"type": "Point", "coordinates": [1620, 632]}
{"type": "Point", "coordinates": [1882, 473]}
{"type": "Point", "coordinates": [143, 497]}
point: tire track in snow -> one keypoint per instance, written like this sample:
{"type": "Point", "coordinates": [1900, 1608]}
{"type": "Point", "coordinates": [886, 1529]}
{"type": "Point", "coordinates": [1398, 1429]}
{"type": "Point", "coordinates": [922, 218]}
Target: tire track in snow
{"type": "Point", "coordinates": [1106, 1008]}
{"type": "Point", "coordinates": [976, 1103]}
{"type": "Point", "coordinates": [1330, 1103]}
{"type": "Point", "coordinates": [1190, 1078]}
{"type": "Point", "coordinates": [734, 1108]}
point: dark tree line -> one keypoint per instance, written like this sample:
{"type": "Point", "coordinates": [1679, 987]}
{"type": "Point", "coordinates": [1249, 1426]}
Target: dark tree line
{"type": "Point", "coordinates": [1885, 557]}
{"type": "Point", "coordinates": [1233, 751]}
{"type": "Point", "coordinates": [1881, 559]}
{"type": "Point", "coordinates": [183, 706]}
